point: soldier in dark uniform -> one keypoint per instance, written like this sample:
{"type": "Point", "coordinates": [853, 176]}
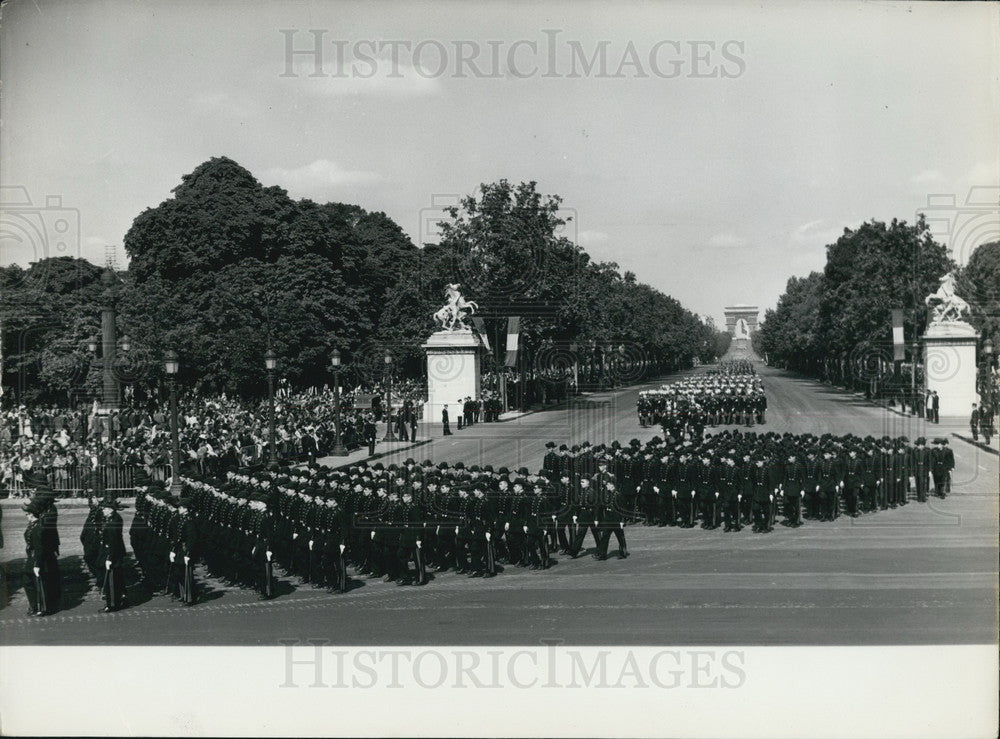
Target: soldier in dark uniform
{"type": "Point", "coordinates": [687, 480]}
{"type": "Point", "coordinates": [112, 556]}
{"type": "Point", "coordinates": [870, 465]}
{"type": "Point", "coordinates": [729, 489]}
{"type": "Point", "coordinates": [41, 565]}
{"type": "Point", "coordinates": [763, 485]}
{"type": "Point", "coordinates": [829, 485]}
{"type": "Point", "coordinates": [185, 548]}
{"type": "Point", "coordinates": [793, 486]}
{"type": "Point", "coordinates": [263, 549]}
{"type": "Point", "coordinates": [921, 466]}
{"type": "Point", "coordinates": [853, 482]}
{"type": "Point", "coordinates": [588, 516]}
{"type": "Point", "coordinates": [410, 521]}
{"type": "Point", "coordinates": [939, 467]}
{"type": "Point", "coordinates": [370, 432]}
{"type": "Point", "coordinates": [90, 538]}
{"type": "Point", "coordinates": [614, 512]}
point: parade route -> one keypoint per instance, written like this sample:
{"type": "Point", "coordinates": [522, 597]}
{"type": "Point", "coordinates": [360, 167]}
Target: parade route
{"type": "Point", "coordinates": [921, 574]}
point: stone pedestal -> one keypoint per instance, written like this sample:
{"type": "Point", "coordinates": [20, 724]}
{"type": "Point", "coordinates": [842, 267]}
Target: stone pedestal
{"type": "Point", "coordinates": [453, 372]}
{"type": "Point", "coordinates": [950, 366]}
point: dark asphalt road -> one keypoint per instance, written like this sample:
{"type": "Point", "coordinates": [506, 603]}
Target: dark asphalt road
{"type": "Point", "coordinates": [922, 574]}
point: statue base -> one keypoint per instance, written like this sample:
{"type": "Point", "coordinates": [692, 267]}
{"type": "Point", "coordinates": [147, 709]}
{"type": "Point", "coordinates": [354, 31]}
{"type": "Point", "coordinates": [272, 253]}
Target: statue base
{"type": "Point", "coordinates": [453, 372]}
{"type": "Point", "coordinates": [950, 366]}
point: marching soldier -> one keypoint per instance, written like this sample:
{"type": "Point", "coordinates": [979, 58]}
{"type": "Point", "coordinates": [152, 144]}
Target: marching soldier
{"type": "Point", "coordinates": [941, 464]}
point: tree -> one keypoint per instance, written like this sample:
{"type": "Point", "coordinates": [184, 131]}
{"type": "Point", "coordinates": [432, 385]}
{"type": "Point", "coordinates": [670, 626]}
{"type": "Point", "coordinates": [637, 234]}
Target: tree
{"type": "Point", "coordinates": [227, 265]}
{"type": "Point", "coordinates": [870, 271]}
{"type": "Point", "coordinates": [979, 284]}
{"type": "Point", "coordinates": [49, 312]}
{"type": "Point", "coordinates": [790, 333]}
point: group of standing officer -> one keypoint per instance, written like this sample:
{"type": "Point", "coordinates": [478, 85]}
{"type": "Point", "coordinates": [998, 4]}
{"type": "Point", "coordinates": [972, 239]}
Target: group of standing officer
{"type": "Point", "coordinates": [981, 422]}
{"type": "Point", "coordinates": [735, 478]}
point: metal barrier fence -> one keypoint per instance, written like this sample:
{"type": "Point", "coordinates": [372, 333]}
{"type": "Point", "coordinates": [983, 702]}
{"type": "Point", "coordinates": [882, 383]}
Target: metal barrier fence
{"type": "Point", "coordinates": [75, 481]}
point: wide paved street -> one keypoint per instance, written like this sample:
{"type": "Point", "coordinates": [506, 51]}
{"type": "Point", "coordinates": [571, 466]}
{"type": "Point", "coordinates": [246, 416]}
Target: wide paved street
{"type": "Point", "coordinates": [921, 574]}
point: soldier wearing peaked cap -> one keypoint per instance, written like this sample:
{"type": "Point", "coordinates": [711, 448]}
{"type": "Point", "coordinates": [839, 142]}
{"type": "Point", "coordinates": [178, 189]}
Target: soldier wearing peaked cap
{"type": "Point", "coordinates": [42, 581]}
{"type": "Point", "coordinates": [90, 538]}
{"type": "Point", "coordinates": [942, 462]}
{"type": "Point", "coordinates": [112, 556]}
{"type": "Point", "coordinates": [920, 459]}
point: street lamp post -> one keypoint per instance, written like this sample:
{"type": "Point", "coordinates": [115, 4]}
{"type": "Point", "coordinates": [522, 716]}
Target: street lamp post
{"type": "Point", "coordinates": [270, 364]}
{"type": "Point", "coordinates": [388, 397]}
{"type": "Point", "coordinates": [339, 450]}
{"type": "Point", "coordinates": [172, 365]}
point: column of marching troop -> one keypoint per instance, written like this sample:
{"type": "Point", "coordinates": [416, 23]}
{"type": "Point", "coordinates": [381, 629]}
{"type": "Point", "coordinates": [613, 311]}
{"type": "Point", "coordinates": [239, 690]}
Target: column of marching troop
{"type": "Point", "coordinates": [730, 395]}
{"type": "Point", "coordinates": [398, 523]}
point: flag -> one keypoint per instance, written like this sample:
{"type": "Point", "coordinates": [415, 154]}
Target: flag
{"type": "Point", "coordinates": [898, 342]}
{"type": "Point", "coordinates": [481, 330]}
{"type": "Point", "coordinates": [513, 331]}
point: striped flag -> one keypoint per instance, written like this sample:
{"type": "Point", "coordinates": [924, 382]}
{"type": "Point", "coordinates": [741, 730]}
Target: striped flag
{"type": "Point", "coordinates": [481, 330]}
{"type": "Point", "coordinates": [513, 332]}
{"type": "Point", "coordinates": [898, 342]}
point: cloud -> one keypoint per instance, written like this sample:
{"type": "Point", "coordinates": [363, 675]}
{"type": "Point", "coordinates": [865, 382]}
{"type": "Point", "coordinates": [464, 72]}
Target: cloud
{"type": "Point", "coordinates": [317, 178]}
{"type": "Point", "coordinates": [928, 177]}
{"type": "Point", "coordinates": [592, 237]}
{"type": "Point", "coordinates": [376, 76]}
{"type": "Point", "coordinates": [816, 233]}
{"type": "Point", "coordinates": [727, 240]}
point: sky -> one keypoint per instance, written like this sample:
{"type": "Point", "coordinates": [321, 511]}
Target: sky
{"type": "Point", "coordinates": [715, 149]}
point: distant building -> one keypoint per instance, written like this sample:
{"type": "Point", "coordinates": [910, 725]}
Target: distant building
{"type": "Point", "coordinates": [741, 320]}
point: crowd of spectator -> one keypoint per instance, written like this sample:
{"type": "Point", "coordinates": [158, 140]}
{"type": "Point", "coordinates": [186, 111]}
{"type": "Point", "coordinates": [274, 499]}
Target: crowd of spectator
{"type": "Point", "coordinates": [70, 446]}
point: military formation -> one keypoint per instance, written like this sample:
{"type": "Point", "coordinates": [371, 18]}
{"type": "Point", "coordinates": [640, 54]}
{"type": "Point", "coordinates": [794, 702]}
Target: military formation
{"type": "Point", "coordinates": [399, 523]}
{"type": "Point", "coordinates": [731, 394]}
{"type": "Point", "coordinates": [406, 523]}
{"type": "Point", "coordinates": [735, 478]}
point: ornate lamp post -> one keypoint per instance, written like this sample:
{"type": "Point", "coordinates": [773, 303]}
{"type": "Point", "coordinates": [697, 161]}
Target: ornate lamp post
{"type": "Point", "coordinates": [339, 450]}
{"type": "Point", "coordinates": [171, 366]}
{"type": "Point", "coordinates": [389, 436]}
{"type": "Point", "coordinates": [271, 364]}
